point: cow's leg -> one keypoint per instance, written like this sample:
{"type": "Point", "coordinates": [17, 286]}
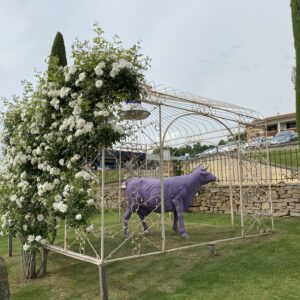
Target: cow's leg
{"type": "Point", "coordinates": [179, 210]}
{"type": "Point", "coordinates": [175, 222]}
{"type": "Point", "coordinates": [127, 216]}
{"type": "Point", "coordinates": [142, 214]}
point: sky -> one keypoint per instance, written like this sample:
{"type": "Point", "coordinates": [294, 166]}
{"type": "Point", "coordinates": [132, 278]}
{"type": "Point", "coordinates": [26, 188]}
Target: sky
{"type": "Point", "coordinates": [237, 51]}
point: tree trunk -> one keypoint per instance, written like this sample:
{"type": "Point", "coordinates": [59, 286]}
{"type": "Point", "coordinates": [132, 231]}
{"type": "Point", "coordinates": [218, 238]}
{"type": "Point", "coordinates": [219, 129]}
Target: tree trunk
{"type": "Point", "coordinates": [4, 286]}
{"type": "Point", "coordinates": [29, 263]}
{"type": "Point", "coordinates": [43, 267]}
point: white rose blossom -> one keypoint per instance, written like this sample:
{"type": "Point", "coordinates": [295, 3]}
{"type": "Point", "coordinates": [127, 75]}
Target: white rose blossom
{"type": "Point", "coordinates": [26, 247]}
{"type": "Point", "coordinates": [90, 202]}
{"type": "Point", "coordinates": [82, 76]}
{"type": "Point", "coordinates": [75, 157]}
{"type": "Point", "coordinates": [60, 206]}
{"type": "Point", "coordinates": [40, 217]}
{"type": "Point", "coordinates": [30, 238]}
{"type": "Point", "coordinates": [90, 228]}
{"type": "Point", "coordinates": [83, 174]}
{"type": "Point", "coordinates": [38, 238]}
{"type": "Point", "coordinates": [99, 84]}
{"type": "Point", "coordinates": [58, 198]}
{"type": "Point", "coordinates": [78, 217]}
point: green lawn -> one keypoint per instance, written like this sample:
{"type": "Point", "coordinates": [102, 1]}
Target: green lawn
{"type": "Point", "coordinates": [279, 157]}
{"type": "Point", "coordinates": [265, 267]}
{"type": "Point", "coordinates": [286, 157]}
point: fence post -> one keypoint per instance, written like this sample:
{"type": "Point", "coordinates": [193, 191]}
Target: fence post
{"type": "Point", "coordinates": [10, 245]}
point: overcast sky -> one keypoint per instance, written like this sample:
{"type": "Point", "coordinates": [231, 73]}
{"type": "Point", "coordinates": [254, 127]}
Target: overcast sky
{"type": "Point", "coordinates": [238, 51]}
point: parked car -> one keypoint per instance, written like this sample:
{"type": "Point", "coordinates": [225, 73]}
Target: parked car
{"type": "Point", "coordinates": [284, 137]}
{"type": "Point", "coordinates": [209, 151]}
{"type": "Point", "coordinates": [256, 142]}
{"type": "Point", "coordinates": [230, 146]}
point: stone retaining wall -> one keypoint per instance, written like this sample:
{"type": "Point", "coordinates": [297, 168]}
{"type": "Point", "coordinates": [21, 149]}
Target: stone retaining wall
{"type": "Point", "coordinates": [216, 198]}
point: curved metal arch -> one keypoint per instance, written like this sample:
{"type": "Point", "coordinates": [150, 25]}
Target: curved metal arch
{"type": "Point", "coordinates": [194, 114]}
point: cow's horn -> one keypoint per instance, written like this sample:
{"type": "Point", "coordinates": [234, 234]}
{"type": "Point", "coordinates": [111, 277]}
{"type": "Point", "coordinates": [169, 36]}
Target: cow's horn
{"type": "Point", "coordinates": [205, 168]}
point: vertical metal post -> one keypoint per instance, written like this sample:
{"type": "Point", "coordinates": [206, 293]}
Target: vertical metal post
{"type": "Point", "coordinates": [120, 170]}
{"type": "Point", "coordinates": [212, 249]}
{"type": "Point", "coordinates": [65, 237]}
{"type": "Point", "coordinates": [230, 190]}
{"type": "Point", "coordinates": [102, 202]}
{"type": "Point", "coordinates": [241, 180]}
{"type": "Point", "coordinates": [161, 175]}
{"type": "Point", "coordinates": [10, 245]}
{"type": "Point", "coordinates": [102, 267]}
{"type": "Point", "coordinates": [103, 282]}
{"type": "Point", "coordinates": [269, 183]}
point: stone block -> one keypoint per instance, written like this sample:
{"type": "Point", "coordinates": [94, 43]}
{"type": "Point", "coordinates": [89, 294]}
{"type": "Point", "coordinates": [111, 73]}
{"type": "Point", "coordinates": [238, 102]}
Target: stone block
{"type": "Point", "coordinates": [203, 208]}
{"type": "Point", "coordinates": [281, 213]}
{"type": "Point", "coordinates": [282, 191]}
{"type": "Point", "coordinates": [284, 196]}
{"type": "Point", "coordinates": [265, 206]}
{"type": "Point", "coordinates": [294, 213]}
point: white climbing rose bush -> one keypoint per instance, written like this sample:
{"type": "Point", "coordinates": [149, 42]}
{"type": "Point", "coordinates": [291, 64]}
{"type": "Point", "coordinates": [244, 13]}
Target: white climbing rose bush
{"type": "Point", "coordinates": [51, 133]}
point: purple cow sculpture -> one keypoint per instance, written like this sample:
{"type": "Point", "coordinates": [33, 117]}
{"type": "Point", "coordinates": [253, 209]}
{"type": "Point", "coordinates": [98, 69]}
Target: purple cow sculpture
{"type": "Point", "coordinates": [143, 197]}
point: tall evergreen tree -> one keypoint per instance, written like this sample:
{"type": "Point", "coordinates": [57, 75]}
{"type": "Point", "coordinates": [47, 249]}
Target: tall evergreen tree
{"type": "Point", "coordinates": [58, 56]}
{"type": "Point", "coordinates": [295, 6]}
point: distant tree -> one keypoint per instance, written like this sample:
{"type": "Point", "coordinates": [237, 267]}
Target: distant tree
{"type": "Point", "coordinates": [57, 57]}
{"type": "Point", "coordinates": [221, 142]}
{"type": "Point", "coordinates": [295, 6]}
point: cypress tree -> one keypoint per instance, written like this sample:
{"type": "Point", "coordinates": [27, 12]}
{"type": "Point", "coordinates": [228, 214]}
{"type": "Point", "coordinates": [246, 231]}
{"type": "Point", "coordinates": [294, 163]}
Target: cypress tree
{"type": "Point", "coordinates": [295, 7]}
{"type": "Point", "coordinates": [58, 56]}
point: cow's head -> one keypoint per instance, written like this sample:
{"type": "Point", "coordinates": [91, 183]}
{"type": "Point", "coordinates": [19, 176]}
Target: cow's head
{"type": "Point", "coordinates": [205, 176]}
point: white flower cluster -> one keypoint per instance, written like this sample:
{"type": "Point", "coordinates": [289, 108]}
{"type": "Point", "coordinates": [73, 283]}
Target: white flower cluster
{"type": "Point", "coordinates": [23, 185]}
{"type": "Point", "coordinates": [90, 228]}
{"type": "Point", "coordinates": [81, 78]}
{"type": "Point", "coordinates": [60, 206]}
{"type": "Point", "coordinates": [32, 238]}
{"type": "Point", "coordinates": [99, 84]}
{"type": "Point", "coordinates": [19, 159]}
{"type": "Point", "coordinates": [117, 128]}
{"type": "Point", "coordinates": [6, 220]}
{"type": "Point", "coordinates": [102, 112]}
{"type": "Point", "coordinates": [75, 157]}
{"type": "Point", "coordinates": [45, 187]}
{"type": "Point", "coordinates": [83, 174]}
{"type": "Point", "coordinates": [55, 103]}
{"type": "Point", "coordinates": [78, 217]}
{"type": "Point", "coordinates": [90, 202]}
{"type": "Point", "coordinates": [64, 92]}
{"type": "Point", "coordinates": [75, 122]}
{"type": "Point", "coordinates": [99, 68]}
{"type": "Point", "coordinates": [69, 71]}
{"type": "Point", "coordinates": [117, 66]}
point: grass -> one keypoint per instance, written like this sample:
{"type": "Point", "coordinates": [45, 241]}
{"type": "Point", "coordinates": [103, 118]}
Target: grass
{"type": "Point", "coordinates": [279, 157]}
{"type": "Point", "coordinates": [286, 157]}
{"type": "Point", "coordinates": [256, 268]}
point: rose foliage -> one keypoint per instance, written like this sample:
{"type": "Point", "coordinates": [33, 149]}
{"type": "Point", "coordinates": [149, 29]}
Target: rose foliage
{"type": "Point", "coordinates": [52, 131]}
